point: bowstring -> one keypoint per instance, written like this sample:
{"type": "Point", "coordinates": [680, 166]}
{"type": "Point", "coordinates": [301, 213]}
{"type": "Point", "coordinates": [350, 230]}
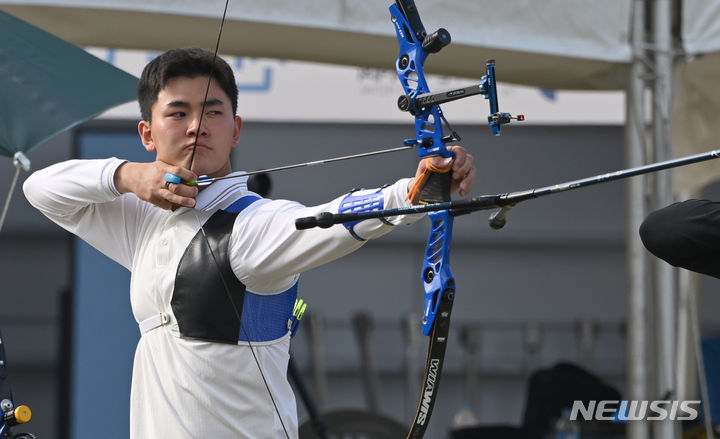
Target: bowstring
{"type": "Point", "coordinates": [202, 230]}
{"type": "Point", "coordinates": [207, 89]}
{"type": "Point", "coordinates": [242, 327]}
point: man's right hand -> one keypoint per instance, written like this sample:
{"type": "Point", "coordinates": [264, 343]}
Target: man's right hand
{"type": "Point", "coordinates": [147, 181]}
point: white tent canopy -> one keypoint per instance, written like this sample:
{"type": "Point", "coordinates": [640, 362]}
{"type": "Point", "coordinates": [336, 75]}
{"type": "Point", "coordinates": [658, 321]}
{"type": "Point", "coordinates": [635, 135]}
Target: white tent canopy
{"type": "Point", "coordinates": [700, 26]}
{"type": "Point", "coordinates": [697, 98]}
{"type": "Point", "coordinates": [587, 49]}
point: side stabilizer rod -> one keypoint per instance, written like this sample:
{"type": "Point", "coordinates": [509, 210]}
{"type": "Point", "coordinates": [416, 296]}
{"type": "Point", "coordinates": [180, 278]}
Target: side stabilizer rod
{"type": "Point", "coordinates": [505, 202]}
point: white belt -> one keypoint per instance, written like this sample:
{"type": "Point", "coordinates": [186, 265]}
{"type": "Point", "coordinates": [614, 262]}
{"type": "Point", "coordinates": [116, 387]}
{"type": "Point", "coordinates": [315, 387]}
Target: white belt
{"type": "Point", "coordinates": [153, 322]}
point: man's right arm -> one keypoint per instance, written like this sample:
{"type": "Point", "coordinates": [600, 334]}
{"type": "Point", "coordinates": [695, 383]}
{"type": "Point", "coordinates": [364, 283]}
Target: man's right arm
{"type": "Point", "coordinates": [81, 197]}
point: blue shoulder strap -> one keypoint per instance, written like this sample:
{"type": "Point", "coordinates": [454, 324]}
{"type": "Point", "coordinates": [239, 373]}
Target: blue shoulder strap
{"type": "Point", "coordinates": [239, 205]}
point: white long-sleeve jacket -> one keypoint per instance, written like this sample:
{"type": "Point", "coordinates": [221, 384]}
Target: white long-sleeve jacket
{"type": "Point", "coordinates": [183, 388]}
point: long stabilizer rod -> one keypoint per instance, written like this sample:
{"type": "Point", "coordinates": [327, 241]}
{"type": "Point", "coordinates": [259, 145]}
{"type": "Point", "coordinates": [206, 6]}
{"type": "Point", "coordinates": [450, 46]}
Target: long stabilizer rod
{"type": "Point", "coordinates": [503, 201]}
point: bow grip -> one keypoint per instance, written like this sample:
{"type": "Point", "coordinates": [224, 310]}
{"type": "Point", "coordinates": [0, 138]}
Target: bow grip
{"type": "Point", "coordinates": [437, 187]}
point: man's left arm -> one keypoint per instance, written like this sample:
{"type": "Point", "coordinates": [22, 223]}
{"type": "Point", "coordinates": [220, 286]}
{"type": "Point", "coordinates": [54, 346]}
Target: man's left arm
{"type": "Point", "coordinates": [267, 247]}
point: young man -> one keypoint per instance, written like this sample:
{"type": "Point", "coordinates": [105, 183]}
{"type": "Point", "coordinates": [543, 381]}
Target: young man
{"type": "Point", "coordinates": [215, 271]}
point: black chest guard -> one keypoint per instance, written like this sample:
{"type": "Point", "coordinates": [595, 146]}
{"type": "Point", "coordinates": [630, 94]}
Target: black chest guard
{"type": "Point", "coordinates": [208, 297]}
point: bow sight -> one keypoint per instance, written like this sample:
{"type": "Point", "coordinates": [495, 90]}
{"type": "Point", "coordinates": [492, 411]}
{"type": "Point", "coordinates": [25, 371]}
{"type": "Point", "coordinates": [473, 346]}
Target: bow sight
{"type": "Point", "coordinates": [486, 87]}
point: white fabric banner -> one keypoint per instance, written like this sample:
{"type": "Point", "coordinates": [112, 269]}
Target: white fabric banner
{"type": "Point", "coordinates": [277, 90]}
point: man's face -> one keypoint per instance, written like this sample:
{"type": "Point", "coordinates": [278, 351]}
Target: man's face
{"type": "Point", "coordinates": [174, 126]}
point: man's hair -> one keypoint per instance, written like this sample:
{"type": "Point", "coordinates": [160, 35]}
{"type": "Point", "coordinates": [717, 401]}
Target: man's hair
{"type": "Point", "coordinates": [189, 62]}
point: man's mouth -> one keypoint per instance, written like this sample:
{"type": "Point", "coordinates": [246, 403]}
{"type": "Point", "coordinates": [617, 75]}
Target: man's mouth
{"type": "Point", "coordinates": [200, 145]}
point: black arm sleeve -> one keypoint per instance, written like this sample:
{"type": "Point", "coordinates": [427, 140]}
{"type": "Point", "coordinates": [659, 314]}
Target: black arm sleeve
{"type": "Point", "coordinates": [686, 234]}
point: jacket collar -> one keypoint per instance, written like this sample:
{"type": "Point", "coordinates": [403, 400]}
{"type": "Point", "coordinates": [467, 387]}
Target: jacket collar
{"type": "Point", "coordinates": [222, 193]}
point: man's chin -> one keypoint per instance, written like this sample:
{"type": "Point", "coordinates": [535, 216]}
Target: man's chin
{"type": "Point", "coordinates": [211, 171]}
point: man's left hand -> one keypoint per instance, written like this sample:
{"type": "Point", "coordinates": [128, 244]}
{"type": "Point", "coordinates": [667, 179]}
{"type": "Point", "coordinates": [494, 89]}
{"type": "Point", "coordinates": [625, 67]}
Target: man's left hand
{"type": "Point", "coordinates": [463, 170]}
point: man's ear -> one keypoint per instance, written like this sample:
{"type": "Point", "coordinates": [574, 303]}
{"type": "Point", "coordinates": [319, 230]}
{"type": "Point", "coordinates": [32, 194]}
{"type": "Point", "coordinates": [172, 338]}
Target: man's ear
{"type": "Point", "coordinates": [236, 130]}
{"type": "Point", "coordinates": [145, 132]}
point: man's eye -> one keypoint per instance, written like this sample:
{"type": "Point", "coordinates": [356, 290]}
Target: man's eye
{"type": "Point", "coordinates": [178, 114]}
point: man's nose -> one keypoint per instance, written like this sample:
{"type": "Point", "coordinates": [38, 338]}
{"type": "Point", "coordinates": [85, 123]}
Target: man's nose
{"type": "Point", "coordinates": [193, 128]}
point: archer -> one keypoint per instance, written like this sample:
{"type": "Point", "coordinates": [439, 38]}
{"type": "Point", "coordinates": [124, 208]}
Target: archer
{"type": "Point", "coordinates": [214, 268]}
